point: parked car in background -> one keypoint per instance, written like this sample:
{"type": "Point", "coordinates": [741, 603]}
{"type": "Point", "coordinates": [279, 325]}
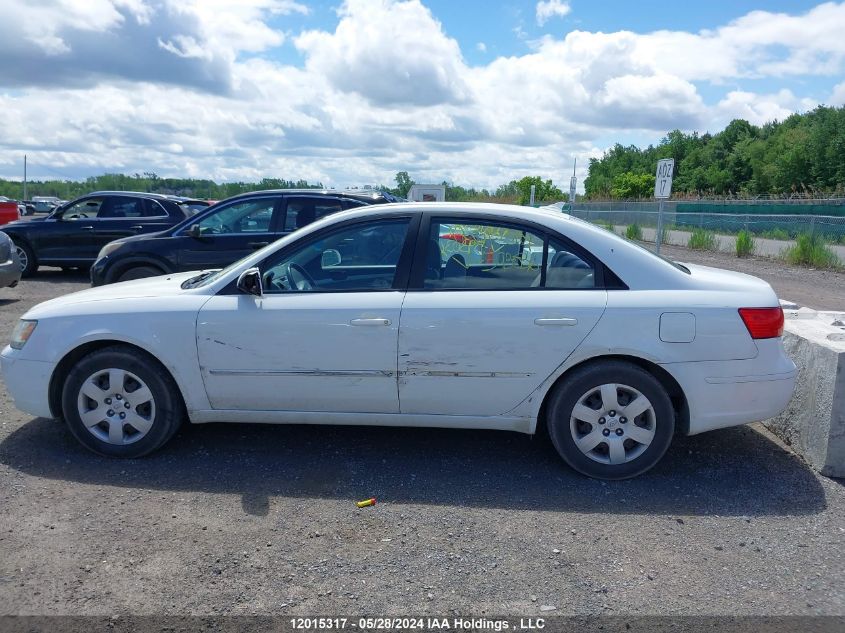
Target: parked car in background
{"type": "Point", "coordinates": [224, 232]}
{"type": "Point", "coordinates": [9, 210]}
{"type": "Point", "coordinates": [73, 234]}
{"type": "Point", "coordinates": [360, 319]}
{"type": "Point", "coordinates": [193, 205]}
{"type": "Point", "coordinates": [10, 270]}
{"type": "Point", "coordinates": [45, 204]}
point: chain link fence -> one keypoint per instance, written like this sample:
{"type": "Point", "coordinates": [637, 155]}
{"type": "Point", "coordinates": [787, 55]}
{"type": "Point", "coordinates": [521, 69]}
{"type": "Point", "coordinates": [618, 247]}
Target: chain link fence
{"type": "Point", "coordinates": [683, 216]}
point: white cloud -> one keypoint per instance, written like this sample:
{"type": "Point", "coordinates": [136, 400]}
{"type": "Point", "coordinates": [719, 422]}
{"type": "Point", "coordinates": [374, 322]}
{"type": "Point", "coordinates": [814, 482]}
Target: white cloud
{"type": "Point", "coordinates": [192, 87]}
{"type": "Point", "coordinates": [760, 108]}
{"type": "Point", "coordinates": [390, 52]}
{"type": "Point", "coordinates": [547, 9]}
{"type": "Point", "coordinates": [837, 96]}
{"type": "Point", "coordinates": [481, 47]}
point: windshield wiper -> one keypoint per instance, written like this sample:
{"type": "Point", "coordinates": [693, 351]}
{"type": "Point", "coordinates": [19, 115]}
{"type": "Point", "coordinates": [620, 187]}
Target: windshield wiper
{"type": "Point", "coordinates": [193, 281]}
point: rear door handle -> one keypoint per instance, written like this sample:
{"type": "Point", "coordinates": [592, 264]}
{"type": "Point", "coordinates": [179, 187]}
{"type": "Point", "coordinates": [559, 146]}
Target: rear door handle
{"type": "Point", "coordinates": [86, 228]}
{"type": "Point", "coordinates": [556, 321]}
{"type": "Point", "coordinates": [137, 227]}
{"type": "Point", "coordinates": [370, 322]}
{"type": "Point", "coordinates": [257, 245]}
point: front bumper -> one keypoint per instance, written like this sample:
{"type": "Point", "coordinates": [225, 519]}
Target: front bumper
{"type": "Point", "coordinates": [98, 271]}
{"type": "Point", "coordinates": [28, 382]}
{"type": "Point", "coordinates": [10, 271]}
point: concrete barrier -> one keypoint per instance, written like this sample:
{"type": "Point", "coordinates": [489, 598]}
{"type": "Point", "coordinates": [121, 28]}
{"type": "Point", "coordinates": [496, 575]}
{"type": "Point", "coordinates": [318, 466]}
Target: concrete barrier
{"type": "Point", "coordinates": [814, 421]}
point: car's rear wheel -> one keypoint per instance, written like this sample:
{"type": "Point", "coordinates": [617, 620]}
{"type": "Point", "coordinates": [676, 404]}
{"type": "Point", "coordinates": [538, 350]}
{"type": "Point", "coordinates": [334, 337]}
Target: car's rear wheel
{"type": "Point", "coordinates": [119, 402]}
{"type": "Point", "coordinates": [140, 272]}
{"type": "Point", "coordinates": [27, 259]}
{"type": "Point", "coordinates": [611, 420]}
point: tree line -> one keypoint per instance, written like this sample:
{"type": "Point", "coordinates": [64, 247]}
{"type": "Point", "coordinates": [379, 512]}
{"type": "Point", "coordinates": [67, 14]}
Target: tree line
{"type": "Point", "coordinates": [516, 191]}
{"type": "Point", "coordinates": [804, 153]}
{"type": "Point", "coordinates": [147, 182]}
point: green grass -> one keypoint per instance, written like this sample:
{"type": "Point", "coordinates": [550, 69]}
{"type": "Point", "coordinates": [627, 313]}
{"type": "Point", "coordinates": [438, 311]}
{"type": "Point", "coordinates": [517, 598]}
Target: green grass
{"type": "Point", "coordinates": [605, 225]}
{"type": "Point", "coordinates": [811, 250]}
{"type": "Point", "coordinates": [634, 232]}
{"type": "Point", "coordinates": [745, 244]}
{"type": "Point", "coordinates": [702, 240]}
{"type": "Point", "coordinates": [776, 234]}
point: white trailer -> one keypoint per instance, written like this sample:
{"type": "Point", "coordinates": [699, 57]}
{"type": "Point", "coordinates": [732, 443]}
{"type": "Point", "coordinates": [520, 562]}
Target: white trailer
{"type": "Point", "coordinates": [427, 193]}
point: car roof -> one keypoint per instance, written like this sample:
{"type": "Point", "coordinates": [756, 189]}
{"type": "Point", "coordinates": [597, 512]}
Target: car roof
{"type": "Point", "coordinates": [132, 194]}
{"type": "Point", "coordinates": [358, 194]}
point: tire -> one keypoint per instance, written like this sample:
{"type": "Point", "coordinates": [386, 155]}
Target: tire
{"type": "Point", "coordinates": [122, 420]}
{"type": "Point", "coordinates": [605, 446]}
{"type": "Point", "coordinates": [140, 272]}
{"type": "Point", "coordinates": [27, 259]}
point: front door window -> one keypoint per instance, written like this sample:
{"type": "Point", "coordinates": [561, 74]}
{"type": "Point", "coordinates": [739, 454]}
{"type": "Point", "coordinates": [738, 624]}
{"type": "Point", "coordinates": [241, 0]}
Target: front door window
{"type": "Point", "coordinates": [252, 216]}
{"type": "Point", "coordinates": [354, 258]}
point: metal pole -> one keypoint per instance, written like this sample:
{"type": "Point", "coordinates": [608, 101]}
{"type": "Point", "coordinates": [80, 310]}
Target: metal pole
{"type": "Point", "coordinates": [533, 188]}
{"type": "Point", "coordinates": [24, 178]}
{"type": "Point", "coordinates": [658, 237]}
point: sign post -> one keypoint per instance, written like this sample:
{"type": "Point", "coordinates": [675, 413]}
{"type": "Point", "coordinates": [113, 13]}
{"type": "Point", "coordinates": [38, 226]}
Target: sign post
{"type": "Point", "coordinates": [662, 190]}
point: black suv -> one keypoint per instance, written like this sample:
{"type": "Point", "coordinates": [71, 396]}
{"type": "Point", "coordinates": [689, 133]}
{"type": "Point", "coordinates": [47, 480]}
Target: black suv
{"type": "Point", "coordinates": [73, 233]}
{"type": "Point", "coordinates": [224, 233]}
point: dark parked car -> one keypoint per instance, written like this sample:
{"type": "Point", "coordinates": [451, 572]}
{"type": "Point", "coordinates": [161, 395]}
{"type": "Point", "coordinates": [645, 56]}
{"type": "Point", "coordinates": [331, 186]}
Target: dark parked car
{"type": "Point", "coordinates": [10, 271]}
{"type": "Point", "coordinates": [73, 234]}
{"type": "Point", "coordinates": [224, 233]}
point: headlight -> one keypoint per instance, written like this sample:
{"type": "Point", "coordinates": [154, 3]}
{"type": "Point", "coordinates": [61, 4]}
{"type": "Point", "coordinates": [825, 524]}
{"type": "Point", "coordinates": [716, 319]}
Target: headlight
{"type": "Point", "coordinates": [23, 330]}
{"type": "Point", "coordinates": [109, 248]}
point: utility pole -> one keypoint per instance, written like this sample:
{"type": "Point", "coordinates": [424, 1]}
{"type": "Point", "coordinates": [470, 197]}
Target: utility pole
{"type": "Point", "coordinates": [572, 183]}
{"type": "Point", "coordinates": [25, 197]}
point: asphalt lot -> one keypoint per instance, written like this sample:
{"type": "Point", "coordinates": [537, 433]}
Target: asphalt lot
{"type": "Point", "coordinates": [261, 519]}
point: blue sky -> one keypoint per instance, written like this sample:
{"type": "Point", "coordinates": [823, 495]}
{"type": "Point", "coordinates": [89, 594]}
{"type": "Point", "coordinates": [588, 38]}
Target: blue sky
{"type": "Point", "coordinates": [348, 92]}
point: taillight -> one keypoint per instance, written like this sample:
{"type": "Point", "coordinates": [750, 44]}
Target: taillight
{"type": "Point", "coordinates": [763, 322]}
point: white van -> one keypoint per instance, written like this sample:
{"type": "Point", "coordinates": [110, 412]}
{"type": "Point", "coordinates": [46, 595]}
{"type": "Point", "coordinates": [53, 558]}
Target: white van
{"type": "Point", "coordinates": [427, 193]}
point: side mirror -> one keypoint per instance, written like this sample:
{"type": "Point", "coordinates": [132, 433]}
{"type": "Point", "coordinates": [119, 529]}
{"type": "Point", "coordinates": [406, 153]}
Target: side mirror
{"type": "Point", "coordinates": [193, 231]}
{"type": "Point", "coordinates": [330, 257]}
{"type": "Point", "coordinates": [249, 282]}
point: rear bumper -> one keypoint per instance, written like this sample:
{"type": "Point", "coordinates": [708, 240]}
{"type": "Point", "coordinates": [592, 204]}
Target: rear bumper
{"type": "Point", "coordinates": [27, 381]}
{"type": "Point", "coordinates": [727, 394]}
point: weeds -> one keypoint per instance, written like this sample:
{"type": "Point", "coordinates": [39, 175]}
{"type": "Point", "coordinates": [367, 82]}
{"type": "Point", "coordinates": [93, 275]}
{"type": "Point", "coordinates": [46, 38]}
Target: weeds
{"type": "Point", "coordinates": [745, 244]}
{"type": "Point", "coordinates": [776, 234]}
{"type": "Point", "coordinates": [811, 250]}
{"type": "Point", "coordinates": [702, 240]}
{"type": "Point", "coordinates": [634, 232]}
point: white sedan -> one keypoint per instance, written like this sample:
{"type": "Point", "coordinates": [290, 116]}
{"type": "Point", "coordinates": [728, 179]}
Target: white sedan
{"type": "Point", "coordinates": [383, 316]}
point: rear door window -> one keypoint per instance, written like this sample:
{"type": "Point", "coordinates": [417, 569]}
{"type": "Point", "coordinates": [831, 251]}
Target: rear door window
{"type": "Point", "coordinates": [303, 211]}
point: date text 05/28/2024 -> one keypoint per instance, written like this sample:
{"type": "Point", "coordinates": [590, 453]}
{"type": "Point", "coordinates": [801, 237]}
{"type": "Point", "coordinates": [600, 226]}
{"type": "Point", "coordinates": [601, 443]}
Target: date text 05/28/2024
{"type": "Point", "coordinates": [415, 623]}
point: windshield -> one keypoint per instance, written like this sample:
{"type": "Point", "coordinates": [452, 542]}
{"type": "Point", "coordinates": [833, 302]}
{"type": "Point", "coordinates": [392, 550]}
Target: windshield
{"type": "Point", "coordinates": [210, 276]}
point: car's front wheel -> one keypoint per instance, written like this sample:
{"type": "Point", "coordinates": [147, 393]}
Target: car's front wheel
{"type": "Point", "coordinates": [611, 420]}
{"type": "Point", "coordinates": [26, 259]}
{"type": "Point", "coordinates": [140, 272]}
{"type": "Point", "coordinates": [119, 402]}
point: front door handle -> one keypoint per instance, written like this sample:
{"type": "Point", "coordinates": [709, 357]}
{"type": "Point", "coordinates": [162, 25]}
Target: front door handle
{"type": "Point", "coordinates": [86, 228]}
{"type": "Point", "coordinates": [137, 227]}
{"type": "Point", "coordinates": [257, 245]}
{"type": "Point", "coordinates": [556, 321]}
{"type": "Point", "coordinates": [370, 322]}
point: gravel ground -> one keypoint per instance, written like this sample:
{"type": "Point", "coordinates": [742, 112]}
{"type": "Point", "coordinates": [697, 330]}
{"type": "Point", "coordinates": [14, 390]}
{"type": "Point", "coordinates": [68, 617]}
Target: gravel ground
{"type": "Point", "coordinates": [261, 519]}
